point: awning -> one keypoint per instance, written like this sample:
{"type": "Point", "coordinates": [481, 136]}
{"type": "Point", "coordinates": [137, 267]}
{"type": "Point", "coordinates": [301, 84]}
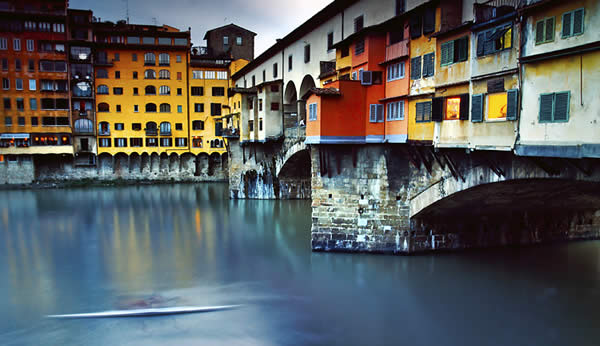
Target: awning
{"type": "Point", "coordinates": [499, 33]}
{"type": "Point", "coordinates": [14, 136]}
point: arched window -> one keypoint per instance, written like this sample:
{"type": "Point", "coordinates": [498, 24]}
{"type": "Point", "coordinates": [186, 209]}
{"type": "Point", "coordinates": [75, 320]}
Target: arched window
{"type": "Point", "coordinates": [164, 74]}
{"type": "Point", "coordinates": [164, 90]}
{"type": "Point", "coordinates": [150, 107]}
{"type": "Point", "coordinates": [104, 129]}
{"type": "Point", "coordinates": [101, 73]}
{"type": "Point", "coordinates": [151, 129]}
{"type": "Point", "coordinates": [102, 89]}
{"type": "Point", "coordinates": [163, 59]}
{"type": "Point", "coordinates": [150, 74]}
{"type": "Point", "coordinates": [150, 90]}
{"type": "Point", "coordinates": [165, 128]}
{"type": "Point", "coordinates": [84, 126]}
{"type": "Point", "coordinates": [165, 108]}
{"type": "Point", "coordinates": [149, 59]}
{"type": "Point", "coordinates": [103, 107]}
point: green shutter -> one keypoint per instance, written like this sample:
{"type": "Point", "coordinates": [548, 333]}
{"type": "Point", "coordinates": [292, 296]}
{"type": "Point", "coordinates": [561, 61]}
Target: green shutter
{"type": "Point", "coordinates": [477, 108]}
{"type": "Point", "coordinates": [419, 112]}
{"type": "Point", "coordinates": [415, 68]}
{"type": "Point", "coordinates": [427, 111]}
{"type": "Point", "coordinates": [463, 48]}
{"type": "Point", "coordinates": [578, 22]}
{"type": "Point", "coordinates": [549, 30]}
{"type": "Point", "coordinates": [566, 24]}
{"type": "Point", "coordinates": [437, 113]}
{"type": "Point", "coordinates": [512, 105]}
{"type": "Point", "coordinates": [561, 106]}
{"type": "Point", "coordinates": [546, 106]}
{"type": "Point", "coordinates": [539, 32]}
{"type": "Point", "coordinates": [447, 53]}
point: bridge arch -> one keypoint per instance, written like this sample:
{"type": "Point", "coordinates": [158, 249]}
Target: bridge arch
{"type": "Point", "coordinates": [308, 82]}
{"type": "Point", "coordinates": [290, 95]}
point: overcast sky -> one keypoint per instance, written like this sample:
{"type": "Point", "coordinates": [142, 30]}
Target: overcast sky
{"type": "Point", "coordinates": [270, 19]}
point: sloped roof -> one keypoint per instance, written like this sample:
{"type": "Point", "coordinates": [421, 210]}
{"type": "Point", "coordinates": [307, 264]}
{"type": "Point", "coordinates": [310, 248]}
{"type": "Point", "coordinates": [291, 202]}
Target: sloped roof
{"type": "Point", "coordinates": [228, 26]}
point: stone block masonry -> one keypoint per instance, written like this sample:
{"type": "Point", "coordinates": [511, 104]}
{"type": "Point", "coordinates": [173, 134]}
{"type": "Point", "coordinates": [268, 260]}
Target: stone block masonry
{"type": "Point", "coordinates": [403, 199]}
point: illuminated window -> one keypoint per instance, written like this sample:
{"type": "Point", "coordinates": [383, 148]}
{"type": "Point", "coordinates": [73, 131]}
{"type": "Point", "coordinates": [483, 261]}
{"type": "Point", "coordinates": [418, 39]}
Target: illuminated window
{"type": "Point", "coordinates": [452, 108]}
{"type": "Point", "coordinates": [497, 106]}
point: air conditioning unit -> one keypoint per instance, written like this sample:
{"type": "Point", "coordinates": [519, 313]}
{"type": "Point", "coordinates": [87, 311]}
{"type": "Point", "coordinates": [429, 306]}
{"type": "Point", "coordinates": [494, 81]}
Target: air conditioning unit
{"type": "Point", "coordinates": [366, 77]}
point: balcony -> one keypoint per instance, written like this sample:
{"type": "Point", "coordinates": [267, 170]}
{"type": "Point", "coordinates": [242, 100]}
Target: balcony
{"type": "Point", "coordinates": [151, 132]}
{"type": "Point", "coordinates": [396, 50]}
{"type": "Point", "coordinates": [230, 132]}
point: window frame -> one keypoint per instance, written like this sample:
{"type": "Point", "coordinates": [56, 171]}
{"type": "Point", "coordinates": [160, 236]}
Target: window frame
{"type": "Point", "coordinates": [544, 22]}
{"type": "Point", "coordinates": [572, 23]}
{"type": "Point", "coordinates": [553, 121]}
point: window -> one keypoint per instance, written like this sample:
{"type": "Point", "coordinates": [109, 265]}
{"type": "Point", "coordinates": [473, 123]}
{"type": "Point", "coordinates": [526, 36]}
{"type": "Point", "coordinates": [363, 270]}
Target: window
{"type": "Point", "coordinates": [7, 121]}
{"type": "Point", "coordinates": [275, 88]}
{"type": "Point", "coordinates": [359, 47]}
{"type": "Point", "coordinates": [165, 128]}
{"type": "Point", "coordinates": [3, 43]}
{"type": "Point", "coordinates": [31, 65]}
{"type": "Point", "coordinates": [544, 31]}
{"type": "Point", "coordinates": [35, 121]}
{"type": "Point", "coordinates": [134, 56]}
{"type": "Point", "coordinates": [178, 58]}
{"type": "Point", "coordinates": [198, 107]}
{"type": "Point", "coordinates": [117, 74]}
{"type": "Point", "coordinates": [274, 70]}
{"type": "Point", "coordinates": [274, 106]}
{"type": "Point", "coordinates": [181, 142]}
{"type": "Point", "coordinates": [164, 59]}
{"type": "Point", "coordinates": [196, 74]}
{"type": "Point", "coordinates": [251, 125]}
{"type": "Point", "coordinates": [215, 109]}
{"type": "Point", "coordinates": [104, 143]}
{"type": "Point", "coordinates": [150, 108]}
{"type": "Point", "coordinates": [166, 142]}
{"type": "Point", "coordinates": [494, 40]}
{"type": "Point", "coordinates": [395, 111]}
{"type": "Point", "coordinates": [7, 103]}
{"type": "Point", "coordinates": [178, 75]}
{"type": "Point", "coordinates": [165, 108]}
{"type": "Point", "coordinates": [118, 91]}
{"type": "Point", "coordinates": [181, 42]}
{"type": "Point", "coordinates": [260, 105]}
{"type": "Point", "coordinates": [290, 61]}
{"type": "Point", "coordinates": [395, 71]}
{"type": "Point", "coordinates": [104, 128]}
{"type": "Point", "coordinates": [179, 126]}
{"type": "Point", "coordinates": [572, 23]}
{"type": "Point", "coordinates": [210, 75]}
{"type": "Point", "coordinates": [20, 104]}
{"type": "Point", "coordinates": [179, 91]}
{"type": "Point", "coordinates": [136, 142]}
{"type": "Point", "coordinates": [102, 107]}
{"type": "Point", "coordinates": [149, 74]}
{"type": "Point", "coordinates": [149, 58]}
{"type": "Point", "coordinates": [164, 90]}
{"type": "Point", "coordinates": [135, 91]}
{"type": "Point", "coordinates": [455, 51]}
{"type": "Point", "coordinates": [30, 45]}
{"type": "Point", "coordinates": [5, 83]}
{"type": "Point", "coordinates": [4, 64]}
{"type": "Point", "coordinates": [60, 66]}
{"type": "Point", "coordinates": [19, 83]}
{"type": "Point", "coordinates": [150, 90]}
{"type": "Point", "coordinates": [554, 107]}
{"type": "Point", "coordinates": [345, 51]}
{"type": "Point", "coordinates": [225, 40]}
{"type": "Point", "coordinates": [118, 108]}
{"type": "Point", "coordinates": [428, 65]}
{"type": "Point", "coordinates": [134, 75]}
{"type": "Point", "coordinates": [253, 81]}
{"type": "Point", "coordinates": [197, 125]}
{"type": "Point", "coordinates": [136, 126]}
{"type": "Point", "coordinates": [264, 75]}
{"type": "Point", "coordinates": [117, 57]}
{"type": "Point", "coordinates": [376, 113]}
{"type": "Point", "coordinates": [101, 90]}
{"type": "Point", "coordinates": [120, 142]}
{"type": "Point", "coordinates": [17, 64]}
{"type": "Point", "coordinates": [17, 44]}
{"type": "Point", "coordinates": [260, 124]}
{"type": "Point", "coordinates": [21, 121]}
{"type": "Point", "coordinates": [330, 41]}
{"type": "Point", "coordinates": [359, 23]}
{"type": "Point", "coordinates": [238, 40]}
{"type": "Point", "coordinates": [415, 68]}
{"type": "Point", "coordinates": [197, 91]}
{"type": "Point", "coordinates": [218, 91]}
{"type": "Point", "coordinates": [164, 41]}
{"type": "Point", "coordinates": [453, 108]}
{"type": "Point", "coordinates": [312, 112]}
{"type": "Point", "coordinates": [119, 127]}
{"type": "Point", "coordinates": [400, 7]}
{"type": "Point", "coordinates": [429, 20]}
{"type": "Point", "coordinates": [151, 142]}
{"type": "Point", "coordinates": [197, 142]}
{"type": "Point", "coordinates": [136, 108]}
{"type": "Point", "coordinates": [307, 53]}
{"type": "Point", "coordinates": [100, 73]}
{"type": "Point", "coordinates": [33, 104]}
{"type": "Point", "coordinates": [423, 112]}
{"type": "Point", "coordinates": [164, 74]}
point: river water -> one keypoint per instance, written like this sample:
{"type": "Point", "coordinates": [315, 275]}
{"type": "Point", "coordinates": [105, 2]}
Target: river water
{"type": "Point", "coordinates": [97, 249]}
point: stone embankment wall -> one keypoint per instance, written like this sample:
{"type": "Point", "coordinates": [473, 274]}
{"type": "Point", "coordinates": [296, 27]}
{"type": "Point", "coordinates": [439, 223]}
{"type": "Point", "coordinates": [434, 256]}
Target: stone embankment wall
{"type": "Point", "coordinates": [398, 199]}
{"type": "Point", "coordinates": [17, 170]}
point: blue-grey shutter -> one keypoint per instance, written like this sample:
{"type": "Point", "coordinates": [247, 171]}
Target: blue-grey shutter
{"type": "Point", "coordinates": [462, 45]}
{"type": "Point", "coordinates": [379, 113]}
{"type": "Point", "coordinates": [464, 107]}
{"type": "Point", "coordinates": [477, 108]}
{"type": "Point", "coordinates": [429, 20]}
{"type": "Point", "coordinates": [512, 104]}
{"type": "Point", "coordinates": [578, 22]}
{"type": "Point", "coordinates": [561, 106]}
{"type": "Point", "coordinates": [419, 112]}
{"type": "Point", "coordinates": [427, 111]}
{"type": "Point", "coordinates": [437, 109]}
{"type": "Point", "coordinates": [373, 113]}
{"type": "Point", "coordinates": [415, 68]}
{"type": "Point", "coordinates": [489, 45]}
{"type": "Point", "coordinates": [445, 54]}
{"type": "Point", "coordinates": [546, 106]}
{"type": "Point", "coordinates": [480, 42]}
{"type": "Point", "coordinates": [566, 25]}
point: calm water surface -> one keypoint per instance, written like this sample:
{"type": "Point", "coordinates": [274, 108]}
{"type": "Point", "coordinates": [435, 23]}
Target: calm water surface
{"type": "Point", "coordinates": [87, 250]}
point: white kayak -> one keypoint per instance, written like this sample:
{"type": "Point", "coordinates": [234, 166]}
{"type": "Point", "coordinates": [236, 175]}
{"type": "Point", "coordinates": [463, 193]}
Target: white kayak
{"type": "Point", "coordinates": [148, 312]}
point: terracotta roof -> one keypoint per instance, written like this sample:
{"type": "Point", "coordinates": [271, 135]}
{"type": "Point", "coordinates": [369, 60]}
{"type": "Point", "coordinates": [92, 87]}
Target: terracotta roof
{"type": "Point", "coordinates": [324, 92]}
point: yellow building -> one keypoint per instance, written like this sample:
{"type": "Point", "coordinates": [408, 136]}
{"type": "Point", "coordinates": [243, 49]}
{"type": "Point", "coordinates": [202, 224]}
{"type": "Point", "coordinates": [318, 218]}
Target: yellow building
{"type": "Point", "coordinates": [141, 89]}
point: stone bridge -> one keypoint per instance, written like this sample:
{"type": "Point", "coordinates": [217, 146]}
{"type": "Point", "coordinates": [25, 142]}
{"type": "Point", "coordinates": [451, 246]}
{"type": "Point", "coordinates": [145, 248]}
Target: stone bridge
{"type": "Point", "coordinates": [406, 199]}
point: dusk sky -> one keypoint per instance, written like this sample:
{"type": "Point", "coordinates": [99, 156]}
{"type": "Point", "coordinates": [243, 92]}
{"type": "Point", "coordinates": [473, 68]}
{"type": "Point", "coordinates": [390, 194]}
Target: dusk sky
{"type": "Point", "coordinates": [270, 19]}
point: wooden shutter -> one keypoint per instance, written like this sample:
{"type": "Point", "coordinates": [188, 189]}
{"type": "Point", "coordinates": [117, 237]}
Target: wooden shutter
{"type": "Point", "coordinates": [419, 112]}
{"type": "Point", "coordinates": [566, 24]}
{"type": "Point", "coordinates": [561, 106]}
{"type": "Point", "coordinates": [464, 107]}
{"type": "Point", "coordinates": [462, 46]}
{"type": "Point", "coordinates": [427, 111]}
{"type": "Point", "coordinates": [429, 20]}
{"type": "Point", "coordinates": [415, 26]}
{"type": "Point", "coordinates": [428, 65]}
{"type": "Point", "coordinates": [373, 113]}
{"type": "Point", "coordinates": [578, 22]}
{"type": "Point", "coordinates": [477, 108]}
{"type": "Point", "coordinates": [447, 53]}
{"type": "Point", "coordinates": [480, 42]}
{"type": "Point", "coordinates": [495, 85]}
{"type": "Point", "coordinates": [437, 111]}
{"type": "Point", "coordinates": [489, 45]}
{"type": "Point", "coordinates": [549, 36]}
{"type": "Point", "coordinates": [415, 68]}
{"type": "Point", "coordinates": [512, 104]}
{"type": "Point", "coordinates": [539, 32]}
{"type": "Point", "coordinates": [546, 107]}
{"type": "Point", "coordinates": [379, 113]}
